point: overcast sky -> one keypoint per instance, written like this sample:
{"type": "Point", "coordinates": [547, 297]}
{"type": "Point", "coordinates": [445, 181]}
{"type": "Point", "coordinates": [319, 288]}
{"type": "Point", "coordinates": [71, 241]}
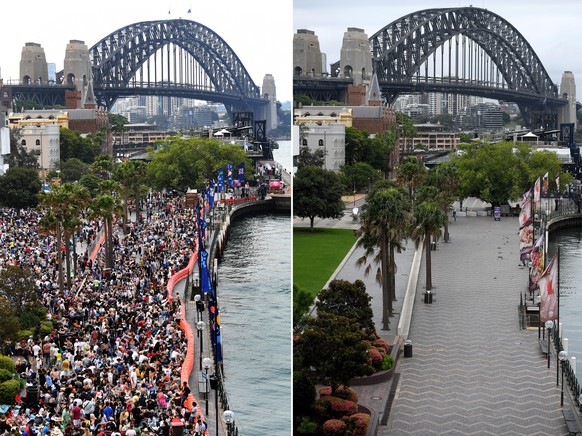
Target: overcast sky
{"type": "Point", "coordinates": [260, 38]}
{"type": "Point", "coordinates": [552, 28]}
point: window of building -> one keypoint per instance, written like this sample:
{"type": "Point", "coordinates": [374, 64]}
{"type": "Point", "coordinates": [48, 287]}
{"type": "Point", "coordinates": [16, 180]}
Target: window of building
{"type": "Point", "coordinates": [321, 142]}
{"type": "Point", "coordinates": [38, 142]}
{"type": "Point", "coordinates": [23, 142]}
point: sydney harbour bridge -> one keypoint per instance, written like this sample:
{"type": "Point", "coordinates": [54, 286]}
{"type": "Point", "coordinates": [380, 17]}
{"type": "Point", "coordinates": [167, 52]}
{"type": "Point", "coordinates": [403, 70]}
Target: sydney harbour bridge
{"type": "Point", "coordinates": [463, 50]}
{"type": "Point", "coordinates": [175, 58]}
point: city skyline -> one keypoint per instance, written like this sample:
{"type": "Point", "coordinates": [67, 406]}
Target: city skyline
{"type": "Point", "coordinates": [532, 19]}
{"type": "Point", "coordinates": [242, 28]}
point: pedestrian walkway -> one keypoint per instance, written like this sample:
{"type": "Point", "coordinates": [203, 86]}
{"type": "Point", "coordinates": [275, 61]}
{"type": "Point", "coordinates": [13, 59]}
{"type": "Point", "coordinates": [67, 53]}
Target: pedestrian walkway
{"type": "Point", "coordinates": [473, 370]}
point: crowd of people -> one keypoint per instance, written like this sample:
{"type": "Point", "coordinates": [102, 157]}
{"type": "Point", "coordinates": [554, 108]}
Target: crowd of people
{"type": "Point", "coordinates": [112, 364]}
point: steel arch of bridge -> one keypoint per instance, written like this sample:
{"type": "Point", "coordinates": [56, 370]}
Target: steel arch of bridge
{"type": "Point", "coordinates": [400, 48]}
{"type": "Point", "coordinates": [119, 57]}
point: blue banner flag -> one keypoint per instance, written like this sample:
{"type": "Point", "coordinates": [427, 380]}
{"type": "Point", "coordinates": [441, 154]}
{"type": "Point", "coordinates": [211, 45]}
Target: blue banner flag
{"type": "Point", "coordinates": [205, 282]}
{"type": "Point", "coordinates": [229, 171]}
{"type": "Point", "coordinates": [210, 194]}
{"type": "Point", "coordinates": [241, 173]}
{"type": "Point", "coordinates": [220, 180]}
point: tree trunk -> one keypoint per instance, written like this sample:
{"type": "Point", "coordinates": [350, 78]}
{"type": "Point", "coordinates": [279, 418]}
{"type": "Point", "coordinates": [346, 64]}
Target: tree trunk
{"type": "Point", "coordinates": [446, 232]}
{"type": "Point", "coordinates": [311, 219]}
{"type": "Point", "coordinates": [68, 262]}
{"type": "Point", "coordinates": [60, 258]}
{"type": "Point", "coordinates": [392, 275]}
{"type": "Point", "coordinates": [428, 271]}
{"type": "Point", "coordinates": [386, 296]}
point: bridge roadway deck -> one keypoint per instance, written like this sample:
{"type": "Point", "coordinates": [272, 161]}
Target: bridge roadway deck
{"type": "Point", "coordinates": [473, 370]}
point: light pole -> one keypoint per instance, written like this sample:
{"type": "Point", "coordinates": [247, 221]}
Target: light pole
{"type": "Point", "coordinates": [200, 327]}
{"type": "Point", "coordinates": [207, 363]}
{"type": "Point", "coordinates": [197, 299]}
{"type": "Point", "coordinates": [214, 385]}
{"type": "Point", "coordinates": [228, 416]}
{"type": "Point", "coordinates": [562, 355]}
{"type": "Point", "coordinates": [549, 326]}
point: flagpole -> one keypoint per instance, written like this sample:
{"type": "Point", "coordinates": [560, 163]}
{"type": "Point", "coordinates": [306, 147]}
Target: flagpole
{"type": "Point", "coordinates": [558, 330]}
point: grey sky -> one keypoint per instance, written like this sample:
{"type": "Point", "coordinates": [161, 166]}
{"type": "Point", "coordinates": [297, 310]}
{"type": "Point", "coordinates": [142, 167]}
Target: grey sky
{"type": "Point", "coordinates": [261, 44]}
{"type": "Point", "coordinates": [553, 29]}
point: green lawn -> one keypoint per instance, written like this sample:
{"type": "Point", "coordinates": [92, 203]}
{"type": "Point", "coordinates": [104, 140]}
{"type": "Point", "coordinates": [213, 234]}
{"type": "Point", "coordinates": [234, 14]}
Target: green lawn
{"type": "Point", "coordinates": [317, 254]}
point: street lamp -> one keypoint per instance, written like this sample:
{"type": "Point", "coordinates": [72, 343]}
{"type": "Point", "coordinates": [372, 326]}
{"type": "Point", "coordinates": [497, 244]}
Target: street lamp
{"type": "Point", "coordinates": [549, 326]}
{"type": "Point", "coordinates": [562, 355]}
{"type": "Point", "coordinates": [200, 327]}
{"type": "Point", "coordinates": [197, 299]}
{"type": "Point", "coordinates": [207, 363]}
{"type": "Point", "coordinates": [228, 416]}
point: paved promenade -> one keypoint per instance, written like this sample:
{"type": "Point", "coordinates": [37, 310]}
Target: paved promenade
{"type": "Point", "coordinates": [473, 370]}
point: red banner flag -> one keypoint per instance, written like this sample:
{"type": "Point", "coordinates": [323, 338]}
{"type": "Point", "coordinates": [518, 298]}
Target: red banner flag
{"type": "Point", "coordinates": [549, 288]}
{"type": "Point", "coordinates": [537, 191]}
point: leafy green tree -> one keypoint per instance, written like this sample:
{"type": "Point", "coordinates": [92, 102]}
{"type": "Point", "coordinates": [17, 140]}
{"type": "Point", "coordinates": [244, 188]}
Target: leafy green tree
{"type": "Point", "coordinates": [384, 222]}
{"type": "Point", "coordinates": [428, 221]}
{"type": "Point", "coordinates": [19, 156]}
{"type": "Point", "coordinates": [190, 163]}
{"type": "Point", "coordinates": [356, 146]}
{"type": "Point", "coordinates": [72, 144]}
{"type": "Point", "coordinates": [71, 170]}
{"type": "Point", "coordinates": [19, 188]}
{"type": "Point", "coordinates": [445, 180]}
{"type": "Point", "coordinates": [308, 157]}
{"type": "Point", "coordinates": [18, 289]}
{"type": "Point", "coordinates": [359, 175]}
{"type": "Point", "coordinates": [347, 299]}
{"type": "Point", "coordinates": [410, 174]}
{"type": "Point", "coordinates": [406, 129]}
{"type": "Point", "coordinates": [131, 175]}
{"type": "Point", "coordinates": [317, 193]}
{"type": "Point", "coordinates": [336, 348]}
{"type": "Point", "coordinates": [496, 173]}
{"type": "Point", "coordinates": [9, 323]}
{"type": "Point", "coordinates": [304, 393]}
{"type": "Point", "coordinates": [107, 205]}
{"type": "Point", "coordinates": [302, 301]}
{"type": "Point", "coordinates": [380, 150]}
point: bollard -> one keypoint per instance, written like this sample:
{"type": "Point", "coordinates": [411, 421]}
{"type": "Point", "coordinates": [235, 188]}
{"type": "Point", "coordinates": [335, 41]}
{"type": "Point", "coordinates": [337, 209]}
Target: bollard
{"type": "Point", "coordinates": [428, 297]}
{"type": "Point", "coordinates": [408, 348]}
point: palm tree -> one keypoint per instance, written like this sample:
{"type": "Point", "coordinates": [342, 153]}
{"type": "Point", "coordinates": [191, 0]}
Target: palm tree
{"type": "Point", "coordinates": [130, 175]}
{"type": "Point", "coordinates": [428, 220]}
{"type": "Point", "coordinates": [76, 198]}
{"type": "Point", "coordinates": [384, 220]}
{"type": "Point", "coordinates": [107, 205]}
{"type": "Point", "coordinates": [410, 174]}
{"type": "Point", "coordinates": [445, 178]}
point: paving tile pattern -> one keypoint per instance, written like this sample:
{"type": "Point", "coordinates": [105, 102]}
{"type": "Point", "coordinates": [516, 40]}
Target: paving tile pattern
{"type": "Point", "coordinates": [473, 371]}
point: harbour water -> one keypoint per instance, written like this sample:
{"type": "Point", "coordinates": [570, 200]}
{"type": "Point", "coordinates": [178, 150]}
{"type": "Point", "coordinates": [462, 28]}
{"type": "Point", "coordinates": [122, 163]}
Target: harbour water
{"type": "Point", "coordinates": [570, 243]}
{"type": "Point", "coordinates": [254, 290]}
{"type": "Point", "coordinates": [283, 155]}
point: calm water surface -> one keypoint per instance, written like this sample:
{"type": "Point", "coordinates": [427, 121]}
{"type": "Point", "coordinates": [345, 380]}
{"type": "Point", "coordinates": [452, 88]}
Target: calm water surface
{"type": "Point", "coordinates": [570, 243]}
{"type": "Point", "coordinates": [254, 290]}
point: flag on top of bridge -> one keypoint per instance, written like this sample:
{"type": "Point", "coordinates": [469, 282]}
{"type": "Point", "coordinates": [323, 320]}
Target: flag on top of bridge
{"type": "Point", "coordinates": [220, 180]}
{"type": "Point", "coordinates": [241, 173]}
{"type": "Point", "coordinates": [549, 288]}
{"type": "Point", "coordinates": [536, 193]}
{"type": "Point", "coordinates": [229, 171]}
{"type": "Point", "coordinates": [546, 185]}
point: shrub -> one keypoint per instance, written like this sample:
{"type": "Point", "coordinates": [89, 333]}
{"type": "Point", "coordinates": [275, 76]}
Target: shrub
{"type": "Point", "coordinates": [303, 391]}
{"type": "Point", "coordinates": [24, 334]}
{"type": "Point", "coordinates": [8, 391]}
{"type": "Point", "coordinates": [307, 426]}
{"type": "Point", "coordinates": [341, 407]}
{"type": "Point", "coordinates": [29, 320]}
{"type": "Point", "coordinates": [346, 393]}
{"type": "Point", "coordinates": [374, 357]}
{"type": "Point", "coordinates": [382, 344]}
{"type": "Point", "coordinates": [325, 391]}
{"type": "Point", "coordinates": [357, 424]}
{"type": "Point", "coordinates": [46, 327]}
{"type": "Point", "coordinates": [5, 375]}
{"type": "Point", "coordinates": [322, 408]}
{"type": "Point", "coordinates": [334, 427]}
{"type": "Point", "coordinates": [8, 364]}
{"type": "Point", "coordinates": [387, 362]}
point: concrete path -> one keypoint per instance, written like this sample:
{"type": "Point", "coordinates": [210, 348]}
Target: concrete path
{"type": "Point", "coordinates": [473, 370]}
